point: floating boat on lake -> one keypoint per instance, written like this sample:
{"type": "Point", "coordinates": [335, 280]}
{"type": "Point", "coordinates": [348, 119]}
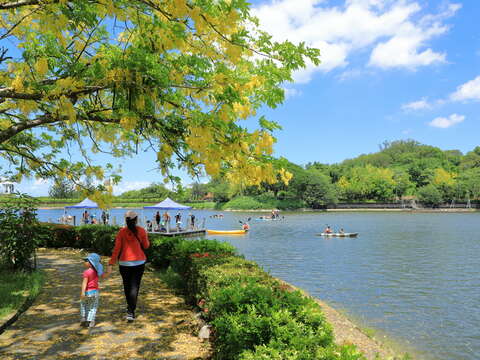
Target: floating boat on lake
{"type": "Point", "coordinates": [339, 234]}
{"type": "Point", "coordinates": [226, 232]}
{"type": "Point", "coordinates": [269, 219]}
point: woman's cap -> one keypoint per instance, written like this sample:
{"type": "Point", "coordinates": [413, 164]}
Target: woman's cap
{"type": "Point", "coordinates": [130, 214]}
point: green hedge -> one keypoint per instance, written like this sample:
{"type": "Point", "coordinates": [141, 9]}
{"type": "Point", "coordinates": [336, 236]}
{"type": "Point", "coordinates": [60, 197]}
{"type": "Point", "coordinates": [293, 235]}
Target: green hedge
{"type": "Point", "coordinates": [253, 315]}
{"type": "Point", "coordinates": [97, 238]}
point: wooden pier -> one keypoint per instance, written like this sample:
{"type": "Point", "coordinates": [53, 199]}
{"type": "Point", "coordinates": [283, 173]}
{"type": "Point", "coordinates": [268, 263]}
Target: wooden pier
{"type": "Point", "coordinates": [180, 233]}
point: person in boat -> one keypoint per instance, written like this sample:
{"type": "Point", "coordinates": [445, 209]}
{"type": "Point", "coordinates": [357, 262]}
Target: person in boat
{"type": "Point", "coordinates": [328, 230]}
{"type": "Point", "coordinates": [342, 231]}
{"type": "Point", "coordinates": [245, 226]}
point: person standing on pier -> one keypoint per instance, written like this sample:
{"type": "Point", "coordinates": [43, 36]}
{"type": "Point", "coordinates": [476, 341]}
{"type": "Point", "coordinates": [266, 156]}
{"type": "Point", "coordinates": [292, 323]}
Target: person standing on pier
{"type": "Point", "coordinates": [166, 218]}
{"type": "Point", "coordinates": [192, 221]}
{"type": "Point", "coordinates": [85, 217]}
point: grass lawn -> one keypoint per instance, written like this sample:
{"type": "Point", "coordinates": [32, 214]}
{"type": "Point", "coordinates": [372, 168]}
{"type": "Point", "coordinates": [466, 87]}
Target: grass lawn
{"type": "Point", "coordinates": [15, 287]}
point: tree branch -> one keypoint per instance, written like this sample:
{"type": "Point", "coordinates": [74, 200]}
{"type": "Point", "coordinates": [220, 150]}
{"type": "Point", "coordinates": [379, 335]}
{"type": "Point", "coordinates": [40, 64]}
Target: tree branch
{"type": "Point", "coordinates": [17, 4]}
{"type": "Point", "coordinates": [10, 93]}
{"type": "Point", "coordinates": [15, 25]}
{"type": "Point", "coordinates": [18, 128]}
{"type": "Point", "coordinates": [13, 130]}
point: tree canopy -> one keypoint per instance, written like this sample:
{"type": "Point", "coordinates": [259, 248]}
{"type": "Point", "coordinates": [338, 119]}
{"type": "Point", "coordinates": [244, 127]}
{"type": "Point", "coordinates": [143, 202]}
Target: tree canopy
{"type": "Point", "coordinates": [79, 78]}
{"type": "Point", "coordinates": [400, 170]}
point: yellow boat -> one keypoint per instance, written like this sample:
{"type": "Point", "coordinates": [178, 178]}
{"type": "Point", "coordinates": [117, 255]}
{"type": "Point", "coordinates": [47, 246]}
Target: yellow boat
{"type": "Point", "coordinates": [226, 232]}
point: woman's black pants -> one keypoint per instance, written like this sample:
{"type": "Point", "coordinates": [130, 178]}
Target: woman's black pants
{"type": "Point", "coordinates": [132, 276]}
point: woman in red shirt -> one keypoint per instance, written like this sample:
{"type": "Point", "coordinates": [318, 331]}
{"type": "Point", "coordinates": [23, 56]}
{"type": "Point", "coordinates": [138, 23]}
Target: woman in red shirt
{"type": "Point", "coordinates": [130, 243]}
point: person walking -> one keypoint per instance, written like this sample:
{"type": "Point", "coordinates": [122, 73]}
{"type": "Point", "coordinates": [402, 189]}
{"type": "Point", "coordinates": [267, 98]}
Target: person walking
{"type": "Point", "coordinates": [89, 295]}
{"type": "Point", "coordinates": [130, 244]}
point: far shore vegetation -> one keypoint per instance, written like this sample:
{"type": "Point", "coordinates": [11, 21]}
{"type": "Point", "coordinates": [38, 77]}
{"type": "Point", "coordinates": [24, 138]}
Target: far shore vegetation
{"type": "Point", "coordinates": [402, 172]}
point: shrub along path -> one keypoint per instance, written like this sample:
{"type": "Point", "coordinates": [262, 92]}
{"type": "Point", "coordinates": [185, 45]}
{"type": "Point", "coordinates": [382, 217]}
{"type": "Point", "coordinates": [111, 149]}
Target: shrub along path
{"type": "Point", "coordinates": [50, 328]}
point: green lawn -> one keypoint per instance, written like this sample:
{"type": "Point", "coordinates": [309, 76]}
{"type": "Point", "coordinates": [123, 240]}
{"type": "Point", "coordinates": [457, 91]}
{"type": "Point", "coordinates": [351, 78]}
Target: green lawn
{"type": "Point", "coordinates": [15, 287]}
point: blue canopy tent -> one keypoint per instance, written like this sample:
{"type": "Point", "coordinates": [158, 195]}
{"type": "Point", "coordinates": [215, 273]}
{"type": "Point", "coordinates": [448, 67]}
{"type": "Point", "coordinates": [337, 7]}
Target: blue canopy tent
{"type": "Point", "coordinates": [85, 204]}
{"type": "Point", "coordinates": [168, 204]}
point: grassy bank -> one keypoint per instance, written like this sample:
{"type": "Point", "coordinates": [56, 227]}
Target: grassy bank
{"type": "Point", "coordinates": [15, 288]}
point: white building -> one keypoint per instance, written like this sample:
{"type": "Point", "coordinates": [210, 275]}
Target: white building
{"type": "Point", "coordinates": [6, 187]}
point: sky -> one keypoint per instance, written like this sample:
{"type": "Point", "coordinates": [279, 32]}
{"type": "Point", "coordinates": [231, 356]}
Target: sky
{"type": "Point", "coordinates": [391, 70]}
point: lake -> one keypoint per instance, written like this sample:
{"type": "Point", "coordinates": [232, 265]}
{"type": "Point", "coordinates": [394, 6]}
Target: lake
{"type": "Point", "coordinates": [413, 277]}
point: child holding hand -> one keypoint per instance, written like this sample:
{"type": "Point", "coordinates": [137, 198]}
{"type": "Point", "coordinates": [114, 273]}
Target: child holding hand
{"type": "Point", "coordinates": [89, 296]}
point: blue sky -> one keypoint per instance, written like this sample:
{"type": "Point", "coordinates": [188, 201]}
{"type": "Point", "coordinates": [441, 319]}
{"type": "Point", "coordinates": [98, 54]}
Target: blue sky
{"type": "Point", "coordinates": [390, 70]}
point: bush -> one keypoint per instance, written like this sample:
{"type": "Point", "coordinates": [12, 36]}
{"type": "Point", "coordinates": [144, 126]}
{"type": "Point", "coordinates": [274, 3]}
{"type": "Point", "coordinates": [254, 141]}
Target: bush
{"type": "Point", "coordinates": [97, 238]}
{"type": "Point", "coordinates": [57, 235]}
{"type": "Point", "coordinates": [237, 332]}
{"type": "Point", "coordinates": [185, 251]}
{"type": "Point", "coordinates": [244, 203]}
{"type": "Point", "coordinates": [161, 249]}
{"type": "Point", "coordinates": [18, 235]}
{"type": "Point", "coordinates": [430, 196]}
{"type": "Point", "coordinates": [233, 269]}
{"type": "Point", "coordinates": [289, 204]}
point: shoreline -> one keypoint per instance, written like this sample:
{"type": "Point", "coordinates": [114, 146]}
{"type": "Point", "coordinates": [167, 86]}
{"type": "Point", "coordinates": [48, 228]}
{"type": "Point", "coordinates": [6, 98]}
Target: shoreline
{"type": "Point", "coordinates": [414, 211]}
{"type": "Point", "coordinates": [346, 331]}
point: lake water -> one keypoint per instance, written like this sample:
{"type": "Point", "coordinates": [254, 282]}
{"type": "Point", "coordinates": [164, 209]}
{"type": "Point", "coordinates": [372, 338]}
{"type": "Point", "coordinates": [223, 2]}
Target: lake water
{"type": "Point", "coordinates": [412, 277]}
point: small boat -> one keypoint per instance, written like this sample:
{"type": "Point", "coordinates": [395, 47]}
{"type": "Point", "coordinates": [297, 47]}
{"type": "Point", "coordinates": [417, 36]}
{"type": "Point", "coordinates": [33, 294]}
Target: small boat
{"type": "Point", "coordinates": [268, 219]}
{"type": "Point", "coordinates": [226, 232]}
{"type": "Point", "coordinates": [339, 234]}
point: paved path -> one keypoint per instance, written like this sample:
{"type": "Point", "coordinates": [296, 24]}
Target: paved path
{"type": "Point", "coordinates": [50, 328]}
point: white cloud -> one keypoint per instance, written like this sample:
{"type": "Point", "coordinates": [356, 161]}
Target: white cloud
{"type": "Point", "coordinates": [402, 51]}
{"type": "Point", "coordinates": [417, 105]}
{"type": "Point", "coordinates": [444, 123]}
{"type": "Point", "coordinates": [398, 31]}
{"type": "Point", "coordinates": [350, 74]}
{"type": "Point", "coordinates": [468, 91]}
{"type": "Point", "coordinates": [130, 185]}
{"type": "Point", "coordinates": [290, 92]}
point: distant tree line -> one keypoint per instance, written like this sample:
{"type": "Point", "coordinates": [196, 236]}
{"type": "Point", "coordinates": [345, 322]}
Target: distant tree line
{"type": "Point", "coordinates": [404, 169]}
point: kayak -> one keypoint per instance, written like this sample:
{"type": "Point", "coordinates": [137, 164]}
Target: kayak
{"type": "Point", "coordinates": [267, 219]}
{"type": "Point", "coordinates": [226, 232]}
{"type": "Point", "coordinates": [339, 234]}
